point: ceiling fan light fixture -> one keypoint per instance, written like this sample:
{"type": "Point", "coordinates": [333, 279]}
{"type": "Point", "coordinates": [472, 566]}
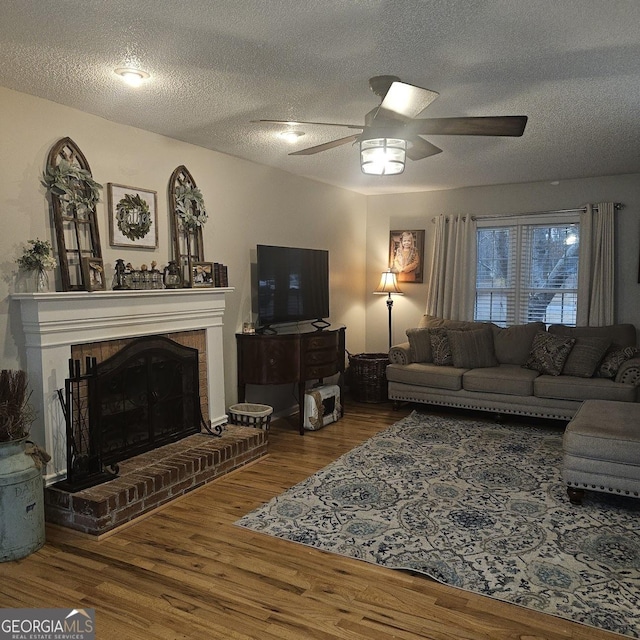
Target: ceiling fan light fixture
{"type": "Point", "coordinates": [383, 156]}
{"type": "Point", "coordinates": [133, 77]}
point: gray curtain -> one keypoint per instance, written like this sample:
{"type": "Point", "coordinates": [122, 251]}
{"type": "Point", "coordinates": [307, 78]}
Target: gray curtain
{"type": "Point", "coordinates": [453, 268]}
{"type": "Point", "coordinates": [597, 266]}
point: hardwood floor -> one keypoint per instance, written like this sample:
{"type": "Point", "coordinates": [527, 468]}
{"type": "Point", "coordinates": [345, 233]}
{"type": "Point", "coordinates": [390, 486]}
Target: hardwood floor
{"type": "Point", "coordinates": [187, 572]}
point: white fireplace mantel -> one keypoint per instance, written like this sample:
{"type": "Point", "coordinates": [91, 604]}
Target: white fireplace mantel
{"type": "Point", "coordinates": [52, 322]}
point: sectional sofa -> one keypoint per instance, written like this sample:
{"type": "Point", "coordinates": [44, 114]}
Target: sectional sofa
{"type": "Point", "coordinates": [522, 369]}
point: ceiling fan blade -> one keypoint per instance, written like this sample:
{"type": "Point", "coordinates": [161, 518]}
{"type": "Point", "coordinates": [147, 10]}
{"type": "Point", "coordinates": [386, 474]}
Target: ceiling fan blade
{"type": "Point", "coordinates": [419, 148]}
{"type": "Point", "coordinates": [482, 126]}
{"type": "Point", "coordinates": [405, 101]}
{"type": "Point", "coordinates": [327, 145]}
{"type": "Point", "coordinates": [324, 124]}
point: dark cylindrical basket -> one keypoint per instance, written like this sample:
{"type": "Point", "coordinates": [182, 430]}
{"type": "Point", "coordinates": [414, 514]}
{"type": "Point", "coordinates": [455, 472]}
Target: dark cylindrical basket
{"type": "Point", "coordinates": [367, 377]}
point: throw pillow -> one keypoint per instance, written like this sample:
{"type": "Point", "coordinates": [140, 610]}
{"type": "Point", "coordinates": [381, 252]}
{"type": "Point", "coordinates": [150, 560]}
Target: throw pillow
{"type": "Point", "coordinates": [472, 349]}
{"type": "Point", "coordinates": [513, 344]}
{"type": "Point", "coordinates": [420, 345]}
{"type": "Point", "coordinates": [440, 347]}
{"type": "Point", "coordinates": [613, 359]}
{"type": "Point", "coordinates": [549, 353]}
{"type": "Point", "coordinates": [586, 355]}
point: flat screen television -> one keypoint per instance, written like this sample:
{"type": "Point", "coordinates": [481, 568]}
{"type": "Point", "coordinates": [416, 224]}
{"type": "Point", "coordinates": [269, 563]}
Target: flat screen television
{"type": "Point", "coordinates": [293, 285]}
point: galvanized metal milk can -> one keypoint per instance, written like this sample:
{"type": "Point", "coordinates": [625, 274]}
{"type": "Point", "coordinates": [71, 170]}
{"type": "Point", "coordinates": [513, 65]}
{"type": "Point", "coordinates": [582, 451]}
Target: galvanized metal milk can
{"type": "Point", "coordinates": [22, 527]}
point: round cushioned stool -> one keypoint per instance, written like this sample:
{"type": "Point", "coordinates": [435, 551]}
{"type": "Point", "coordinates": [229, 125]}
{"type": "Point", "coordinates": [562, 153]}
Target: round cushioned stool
{"type": "Point", "coordinates": [602, 449]}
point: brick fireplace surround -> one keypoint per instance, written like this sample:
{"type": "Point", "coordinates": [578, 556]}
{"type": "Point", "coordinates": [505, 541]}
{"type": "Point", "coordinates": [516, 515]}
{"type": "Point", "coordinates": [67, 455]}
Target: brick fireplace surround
{"type": "Point", "coordinates": [153, 479]}
{"type": "Point", "coordinates": [53, 323]}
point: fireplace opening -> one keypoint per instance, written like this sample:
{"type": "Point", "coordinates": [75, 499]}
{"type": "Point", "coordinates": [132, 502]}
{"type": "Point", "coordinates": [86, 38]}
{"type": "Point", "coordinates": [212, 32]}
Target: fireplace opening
{"type": "Point", "coordinates": [146, 396]}
{"type": "Point", "coordinates": [141, 398]}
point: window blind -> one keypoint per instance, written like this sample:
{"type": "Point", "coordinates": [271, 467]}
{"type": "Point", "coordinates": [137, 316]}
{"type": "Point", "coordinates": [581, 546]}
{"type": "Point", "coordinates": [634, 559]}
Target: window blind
{"type": "Point", "coordinates": [527, 273]}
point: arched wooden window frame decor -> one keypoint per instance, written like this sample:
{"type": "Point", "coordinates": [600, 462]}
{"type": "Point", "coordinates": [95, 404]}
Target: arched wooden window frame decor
{"type": "Point", "coordinates": [188, 246]}
{"type": "Point", "coordinates": [77, 234]}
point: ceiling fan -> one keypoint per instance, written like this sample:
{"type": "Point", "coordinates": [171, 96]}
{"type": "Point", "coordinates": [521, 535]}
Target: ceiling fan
{"type": "Point", "coordinates": [392, 129]}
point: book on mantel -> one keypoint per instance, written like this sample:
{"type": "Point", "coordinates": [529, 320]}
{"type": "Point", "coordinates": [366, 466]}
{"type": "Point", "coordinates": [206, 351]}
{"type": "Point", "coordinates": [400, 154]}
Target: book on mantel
{"type": "Point", "coordinates": [220, 275]}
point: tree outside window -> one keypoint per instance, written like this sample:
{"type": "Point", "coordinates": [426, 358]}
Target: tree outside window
{"type": "Point", "coordinates": [527, 273]}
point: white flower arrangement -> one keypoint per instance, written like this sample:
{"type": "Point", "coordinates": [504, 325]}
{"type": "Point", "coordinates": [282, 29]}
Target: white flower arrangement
{"type": "Point", "coordinates": [38, 257]}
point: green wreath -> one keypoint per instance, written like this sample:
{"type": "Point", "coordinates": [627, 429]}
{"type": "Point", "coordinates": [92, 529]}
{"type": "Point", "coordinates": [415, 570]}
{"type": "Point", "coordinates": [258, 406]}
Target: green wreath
{"type": "Point", "coordinates": [133, 217]}
{"type": "Point", "coordinates": [190, 207]}
{"type": "Point", "coordinates": [73, 185]}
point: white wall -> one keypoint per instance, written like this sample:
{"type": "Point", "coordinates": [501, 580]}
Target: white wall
{"type": "Point", "coordinates": [416, 210]}
{"type": "Point", "coordinates": [251, 204]}
{"type": "Point", "coordinates": [247, 203]}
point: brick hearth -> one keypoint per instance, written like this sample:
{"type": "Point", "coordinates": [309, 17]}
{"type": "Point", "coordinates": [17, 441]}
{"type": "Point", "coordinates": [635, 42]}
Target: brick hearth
{"type": "Point", "coordinates": [152, 479]}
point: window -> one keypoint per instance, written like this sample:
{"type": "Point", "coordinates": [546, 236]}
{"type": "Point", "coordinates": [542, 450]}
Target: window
{"type": "Point", "coordinates": [527, 273]}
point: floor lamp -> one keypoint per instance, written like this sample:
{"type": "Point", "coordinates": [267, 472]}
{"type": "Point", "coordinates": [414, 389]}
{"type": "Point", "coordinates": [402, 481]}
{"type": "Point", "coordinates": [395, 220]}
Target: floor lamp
{"type": "Point", "coordinates": [389, 285]}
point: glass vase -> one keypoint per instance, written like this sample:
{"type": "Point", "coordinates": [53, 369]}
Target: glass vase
{"type": "Point", "coordinates": [40, 281]}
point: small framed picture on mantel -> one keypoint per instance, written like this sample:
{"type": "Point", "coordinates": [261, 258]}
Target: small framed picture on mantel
{"type": "Point", "coordinates": [202, 274]}
{"type": "Point", "coordinates": [93, 274]}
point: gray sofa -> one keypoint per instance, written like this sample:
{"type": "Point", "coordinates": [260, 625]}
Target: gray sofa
{"type": "Point", "coordinates": [523, 369]}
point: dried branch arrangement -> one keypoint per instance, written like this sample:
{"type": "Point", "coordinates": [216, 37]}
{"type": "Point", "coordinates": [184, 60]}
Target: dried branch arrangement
{"type": "Point", "coordinates": [16, 415]}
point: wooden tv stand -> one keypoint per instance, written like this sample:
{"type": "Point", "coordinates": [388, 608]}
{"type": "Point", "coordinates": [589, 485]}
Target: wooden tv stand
{"type": "Point", "coordinates": [290, 357]}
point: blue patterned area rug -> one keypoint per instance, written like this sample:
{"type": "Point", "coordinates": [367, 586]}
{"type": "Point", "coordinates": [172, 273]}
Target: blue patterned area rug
{"type": "Point", "coordinates": [476, 505]}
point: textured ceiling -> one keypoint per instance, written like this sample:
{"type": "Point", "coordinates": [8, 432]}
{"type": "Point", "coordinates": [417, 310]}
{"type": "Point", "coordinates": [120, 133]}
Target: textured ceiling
{"type": "Point", "coordinates": [571, 66]}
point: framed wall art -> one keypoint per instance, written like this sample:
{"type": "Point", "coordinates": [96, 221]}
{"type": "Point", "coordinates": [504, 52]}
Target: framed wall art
{"type": "Point", "coordinates": [202, 274]}
{"type": "Point", "coordinates": [188, 216]}
{"type": "Point", "coordinates": [93, 274]}
{"type": "Point", "coordinates": [73, 194]}
{"type": "Point", "coordinates": [133, 217]}
{"type": "Point", "coordinates": [406, 255]}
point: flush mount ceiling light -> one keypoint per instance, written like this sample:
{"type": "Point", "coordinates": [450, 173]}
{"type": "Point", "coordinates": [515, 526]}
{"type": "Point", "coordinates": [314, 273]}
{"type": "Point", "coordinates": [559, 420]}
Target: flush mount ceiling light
{"type": "Point", "coordinates": [133, 77]}
{"type": "Point", "coordinates": [290, 135]}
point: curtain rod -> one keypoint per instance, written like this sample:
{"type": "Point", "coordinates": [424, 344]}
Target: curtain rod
{"type": "Point", "coordinates": [616, 205]}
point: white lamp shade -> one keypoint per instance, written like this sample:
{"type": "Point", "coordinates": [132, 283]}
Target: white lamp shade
{"type": "Point", "coordinates": [388, 284]}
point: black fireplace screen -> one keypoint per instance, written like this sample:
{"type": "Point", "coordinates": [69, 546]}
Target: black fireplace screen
{"type": "Point", "coordinates": [147, 396]}
{"type": "Point", "coordinates": [143, 397]}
